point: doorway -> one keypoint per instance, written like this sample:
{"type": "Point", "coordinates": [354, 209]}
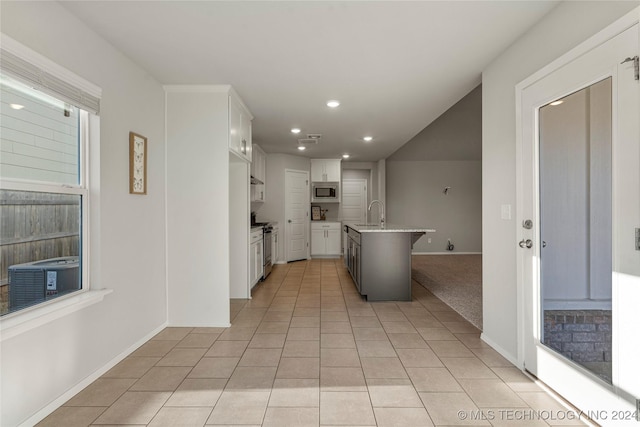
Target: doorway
{"type": "Point", "coordinates": [354, 200]}
{"type": "Point", "coordinates": [296, 212]}
{"type": "Point", "coordinates": [579, 193]}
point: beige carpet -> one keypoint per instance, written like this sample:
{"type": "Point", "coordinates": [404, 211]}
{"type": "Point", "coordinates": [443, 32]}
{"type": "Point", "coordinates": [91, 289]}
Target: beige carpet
{"type": "Point", "coordinates": [455, 279]}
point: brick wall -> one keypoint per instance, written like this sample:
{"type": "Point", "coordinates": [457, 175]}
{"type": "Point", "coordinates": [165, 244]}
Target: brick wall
{"type": "Point", "coordinates": [583, 336]}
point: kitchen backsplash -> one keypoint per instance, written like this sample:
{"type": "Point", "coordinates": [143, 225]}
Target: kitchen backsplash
{"type": "Point", "coordinates": [332, 210]}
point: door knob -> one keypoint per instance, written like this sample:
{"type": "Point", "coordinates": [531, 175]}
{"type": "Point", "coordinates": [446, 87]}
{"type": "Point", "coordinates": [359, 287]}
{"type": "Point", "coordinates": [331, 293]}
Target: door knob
{"type": "Point", "coordinates": [526, 243]}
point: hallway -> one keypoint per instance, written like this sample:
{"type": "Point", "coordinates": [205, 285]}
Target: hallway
{"type": "Point", "coordinates": [308, 351]}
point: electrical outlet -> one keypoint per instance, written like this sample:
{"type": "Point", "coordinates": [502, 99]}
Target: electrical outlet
{"type": "Point", "coordinates": [429, 240]}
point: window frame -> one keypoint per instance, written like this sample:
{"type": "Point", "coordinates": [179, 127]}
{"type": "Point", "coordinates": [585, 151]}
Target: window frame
{"type": "Point", "coordinates": [12, 324]}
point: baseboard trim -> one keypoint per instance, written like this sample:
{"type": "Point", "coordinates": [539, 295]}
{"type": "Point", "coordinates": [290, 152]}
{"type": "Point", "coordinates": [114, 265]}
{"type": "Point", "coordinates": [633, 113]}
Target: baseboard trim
{"type": "Point", "coordinates": [55, 404]}
{"type": "Point", "coordinates": [500, 350]}
{"type": "Point", "coordinates": [446, 253]}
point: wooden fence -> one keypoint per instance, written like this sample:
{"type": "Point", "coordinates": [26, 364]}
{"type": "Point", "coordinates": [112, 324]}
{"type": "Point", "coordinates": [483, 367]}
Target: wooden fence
{"type": "Point", "coordinates": [35, 226]}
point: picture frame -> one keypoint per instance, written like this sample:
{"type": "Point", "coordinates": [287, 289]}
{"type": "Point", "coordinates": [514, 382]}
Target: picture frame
{"type": "Point", "coordinates": [137, 164]}
{"type": "Point", "coordinates": [316, 213]}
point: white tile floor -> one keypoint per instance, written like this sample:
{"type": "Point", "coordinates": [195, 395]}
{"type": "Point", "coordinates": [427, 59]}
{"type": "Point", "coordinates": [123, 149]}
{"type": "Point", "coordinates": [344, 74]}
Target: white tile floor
{"type": "Point", "coordinates": [308, 351]}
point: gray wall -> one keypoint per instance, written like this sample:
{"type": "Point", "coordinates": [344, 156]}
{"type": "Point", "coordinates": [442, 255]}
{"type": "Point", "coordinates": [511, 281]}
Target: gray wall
{"type": "Point", "coordinates": [447, 153]}
{"type": "Point", "coordinates": [415, 197]}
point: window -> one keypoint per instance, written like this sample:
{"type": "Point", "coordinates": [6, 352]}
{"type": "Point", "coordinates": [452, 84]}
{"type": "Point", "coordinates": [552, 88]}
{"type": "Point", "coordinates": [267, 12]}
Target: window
{"type": "Point", "coordinates": [43, 186]}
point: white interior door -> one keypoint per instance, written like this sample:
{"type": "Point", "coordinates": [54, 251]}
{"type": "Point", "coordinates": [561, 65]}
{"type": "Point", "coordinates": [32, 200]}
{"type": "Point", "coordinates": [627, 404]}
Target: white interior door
{"type": "Point", "coordinates": [296, 214]}
{"type": "Point", "coordinates": [579, 186]}
{"type": "Point", "coordinates": [354, 200]}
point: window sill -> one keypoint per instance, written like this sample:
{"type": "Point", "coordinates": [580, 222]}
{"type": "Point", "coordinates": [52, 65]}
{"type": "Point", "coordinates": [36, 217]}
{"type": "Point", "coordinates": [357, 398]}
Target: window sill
{"type": "Point", "coordinates": [38, 316]}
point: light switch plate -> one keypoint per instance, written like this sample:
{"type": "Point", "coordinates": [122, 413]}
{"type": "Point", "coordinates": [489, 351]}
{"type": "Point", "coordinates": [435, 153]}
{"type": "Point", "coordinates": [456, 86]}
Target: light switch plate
{"type": "Point", "coordinates": [505, 211]}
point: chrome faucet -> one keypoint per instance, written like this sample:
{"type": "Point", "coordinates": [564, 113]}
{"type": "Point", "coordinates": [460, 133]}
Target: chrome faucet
{"type": "Point", "coordinates": [381, 210]}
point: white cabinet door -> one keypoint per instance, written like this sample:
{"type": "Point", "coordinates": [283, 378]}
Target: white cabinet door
{"type": "Point", "coordinates": [332, 170]}
{"type": "Point", "coordinates": [325, 238]}
{"type": "Point", "coordinates": [245, 136]}
{"type": "Point", "coordinates": [333, 242]}
{"type": "Point", "coordinates": [239, 129]}
{"type": "Point", "coordinates": [253, 273]}
{"type": "Point", "coordinates": [318, 241]}
{"type": "Point", "coordinates": [325, 170]}
{"type": "Point", "coordinates": [258, 171]}
{"type": "Point", "coordinates": [259, 160]}
{"type": "Point", "coordinates": [317, 170]}
{"type": "Point", "coordinates": [259, 264]}
{"type": "Point", "coordinates": [235, 122]}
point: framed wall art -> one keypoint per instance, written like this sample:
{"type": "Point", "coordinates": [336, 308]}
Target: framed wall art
{"type": "Point", "coordinates": [137, 164]}
{"type": "Point", "coordinates": [315, 213]}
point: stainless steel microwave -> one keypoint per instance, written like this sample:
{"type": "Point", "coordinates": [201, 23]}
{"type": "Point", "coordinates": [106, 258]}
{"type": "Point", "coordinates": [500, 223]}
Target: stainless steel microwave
{"type": "Point", "coordinates": [324, 192]}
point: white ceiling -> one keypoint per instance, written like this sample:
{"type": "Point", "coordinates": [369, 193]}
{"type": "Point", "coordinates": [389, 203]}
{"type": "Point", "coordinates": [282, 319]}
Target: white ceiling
{"type": "Point", "coordinates": [395, 66]}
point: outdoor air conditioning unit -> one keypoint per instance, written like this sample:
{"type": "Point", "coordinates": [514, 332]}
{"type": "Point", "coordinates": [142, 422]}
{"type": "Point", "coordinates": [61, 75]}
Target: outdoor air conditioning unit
{"type": "Point", "coordinates": [38, 281]}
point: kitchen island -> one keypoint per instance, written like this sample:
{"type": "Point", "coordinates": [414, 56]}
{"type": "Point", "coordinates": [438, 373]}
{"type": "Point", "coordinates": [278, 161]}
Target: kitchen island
{"type": "Point", "coordinates": [379, 259]}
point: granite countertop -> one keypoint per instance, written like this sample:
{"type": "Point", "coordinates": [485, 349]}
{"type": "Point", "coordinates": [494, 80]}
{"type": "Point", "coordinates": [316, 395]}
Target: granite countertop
{"type": "Point", "coordinates": [388, 228]}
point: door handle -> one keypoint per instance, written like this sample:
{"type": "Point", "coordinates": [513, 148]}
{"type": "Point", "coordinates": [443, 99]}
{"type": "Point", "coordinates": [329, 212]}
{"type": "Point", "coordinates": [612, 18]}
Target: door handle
{"type": "Point", "coordinates": [289, 221]}
{"type": "Point", "coordinates": [526, 243]}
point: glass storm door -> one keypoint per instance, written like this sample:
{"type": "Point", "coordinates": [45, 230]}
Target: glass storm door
{"type": "Point", "coordinates": [579, 204]}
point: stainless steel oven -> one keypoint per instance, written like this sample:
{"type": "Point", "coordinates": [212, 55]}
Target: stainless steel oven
{"type": "Point", "coordinates": [267, 232]}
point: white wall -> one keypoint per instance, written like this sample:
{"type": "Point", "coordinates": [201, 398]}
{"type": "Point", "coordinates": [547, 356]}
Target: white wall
{"type": "Point", "coordinates": [129, 245]}
{"type": "Point", "coordinates": [198, 207]}
{"type": "Point", "coordinates": [563, 28]}
{"type": "Point", "coordinates": [415, 197]}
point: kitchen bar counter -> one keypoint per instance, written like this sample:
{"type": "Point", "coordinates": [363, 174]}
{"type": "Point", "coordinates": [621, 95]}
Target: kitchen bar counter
{"type": "Point", "coordinates": [387, 228]}
{"type": "Point", "coordinates": [379, 259]}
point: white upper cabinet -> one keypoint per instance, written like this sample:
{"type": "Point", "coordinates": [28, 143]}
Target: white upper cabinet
{"type": "Point", "coordinates": [259, 172]}
{"type": "Point", "coordinates": [325, 170]}
{"type": "Point", "coordinates": [239, 128]}
{"type": "Point", "coordinates": [259, 164]}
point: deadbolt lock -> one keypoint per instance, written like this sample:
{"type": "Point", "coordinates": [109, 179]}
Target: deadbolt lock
{"type": "Point", "coordinates": [527, 224]}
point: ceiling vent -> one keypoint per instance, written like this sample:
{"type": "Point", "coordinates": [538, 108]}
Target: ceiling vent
{"type": "Point", "coordinates": [314, 135]}
{"type": "Point", "coordinates": [308, 141]}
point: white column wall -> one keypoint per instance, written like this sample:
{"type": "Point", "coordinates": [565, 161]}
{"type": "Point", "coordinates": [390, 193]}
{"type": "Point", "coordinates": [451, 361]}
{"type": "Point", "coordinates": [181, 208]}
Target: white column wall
{"type": "Point", "coordinates": [198, 207]}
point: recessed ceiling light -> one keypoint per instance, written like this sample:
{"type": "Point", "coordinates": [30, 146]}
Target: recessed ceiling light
{"type": "Point", "coordinates": [558, 102]}
{"type": "Point", "coordinates": [16, 106]}
{"type": "Point", "coordinates": [295, 130]}
{"type": "Point", "coordinates": [368, 138]}
{"type": "Point", "coordinates": [301, 147]}
{"type": "Point", "coordinates": [333, 103]}
{"type": "Point", "coordinates": [345, 156]}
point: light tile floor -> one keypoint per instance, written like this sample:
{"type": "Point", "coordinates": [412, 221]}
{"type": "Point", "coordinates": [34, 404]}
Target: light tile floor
{"type": "Point", "coordinates": [307, 350]}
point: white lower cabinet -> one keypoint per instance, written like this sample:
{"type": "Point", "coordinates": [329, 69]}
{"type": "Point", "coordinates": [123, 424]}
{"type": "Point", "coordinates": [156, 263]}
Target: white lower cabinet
{"type": "Point", "coordinates": [325, 238]}
{"type": "Point", "coordinates": [256, 267]}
